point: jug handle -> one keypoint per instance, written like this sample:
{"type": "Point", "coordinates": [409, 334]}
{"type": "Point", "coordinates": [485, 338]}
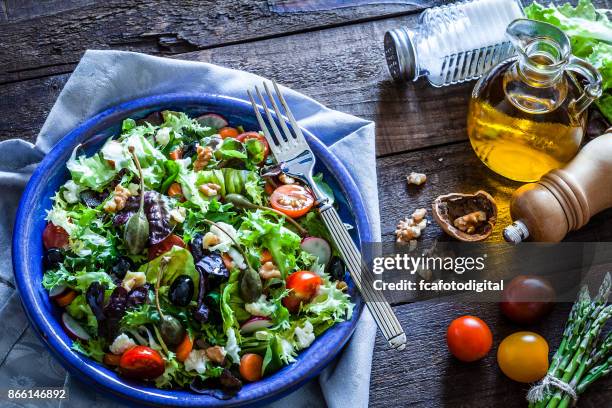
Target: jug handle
{"type": "Point", "coordinates": [592, 90]}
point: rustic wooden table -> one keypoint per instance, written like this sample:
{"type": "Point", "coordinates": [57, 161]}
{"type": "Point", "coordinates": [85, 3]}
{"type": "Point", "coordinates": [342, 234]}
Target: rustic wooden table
{"type": "Point", "coordinates": [334, 55]}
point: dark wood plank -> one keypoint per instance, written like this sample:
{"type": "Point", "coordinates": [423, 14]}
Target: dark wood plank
{"type": "Point", "coordinates": [157, 27]}
{"type": "Point", "coordinates": [19, 10]}
{"type": "Point", "coordinates": [454, 168]}
{"type": "Point", "coordinates": [342, 67]}
{"type": "Point", "coordinates": [426, 375]}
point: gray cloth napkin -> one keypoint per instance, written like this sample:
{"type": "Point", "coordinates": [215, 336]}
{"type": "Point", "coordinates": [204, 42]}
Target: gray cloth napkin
{"type": "Point", "coordinates": [106, 78]}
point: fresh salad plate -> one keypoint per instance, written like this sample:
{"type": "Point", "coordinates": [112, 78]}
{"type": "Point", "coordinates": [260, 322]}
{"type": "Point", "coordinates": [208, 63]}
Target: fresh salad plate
{"type": "Point", "coordinates": [216, 287]}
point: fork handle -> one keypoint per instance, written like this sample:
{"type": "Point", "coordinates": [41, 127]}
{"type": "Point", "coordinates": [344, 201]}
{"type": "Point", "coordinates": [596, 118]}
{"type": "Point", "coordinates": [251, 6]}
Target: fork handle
{"type": "Point", "coordinates": [362, 276]}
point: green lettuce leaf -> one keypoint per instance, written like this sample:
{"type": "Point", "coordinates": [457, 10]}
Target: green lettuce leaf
{"type": "Point", "coordinates": [93, 172]}
{"type": "Point", "coordinates": [93, 348]}
{"type": "Point", "coordinates": [181, 263]}
{"type": "Point", "coordinates": [262, 229]}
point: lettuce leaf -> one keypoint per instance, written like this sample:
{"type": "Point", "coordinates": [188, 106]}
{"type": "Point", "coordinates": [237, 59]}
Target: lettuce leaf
{"type": "Point", "coordinates": [262, 229]}
{"type": "Point", "coordinates": [93, 172]}
{"type": "Point", "coordinates": [181, 263]}
{"type": "Point", "coordinates": [93, 348]}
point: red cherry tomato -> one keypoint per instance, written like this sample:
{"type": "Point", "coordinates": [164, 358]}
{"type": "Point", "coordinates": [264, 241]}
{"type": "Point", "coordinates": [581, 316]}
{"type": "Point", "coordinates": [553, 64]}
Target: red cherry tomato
{"type": "Point", "coordinates": [527, 299]}
{"type": "Point", "coordinates": [304, 286]}
{"type": "Point", "coordinates": [292, 199]}
{"type": "Point", "coordinates": [469, 338]}
{"type": "Point", "coordinates": [141, 363]}
{"type": "Point", "coordinates": [255, 135]}
{"type": "Point", "coordinates": [54, 237]}
{"type": "Point", "coordinates": [165, 245]}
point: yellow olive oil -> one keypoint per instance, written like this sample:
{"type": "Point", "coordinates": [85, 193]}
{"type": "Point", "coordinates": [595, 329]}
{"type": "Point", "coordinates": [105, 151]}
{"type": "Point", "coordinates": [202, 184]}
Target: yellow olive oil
{"type": "Point", "coordinates": [522, 131]}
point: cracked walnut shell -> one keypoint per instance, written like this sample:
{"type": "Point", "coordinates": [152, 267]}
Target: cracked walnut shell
{"type": "Point", "coordinates": [466, 217]}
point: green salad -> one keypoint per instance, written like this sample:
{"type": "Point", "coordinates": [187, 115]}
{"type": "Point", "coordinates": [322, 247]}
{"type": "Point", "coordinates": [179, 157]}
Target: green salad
{"type": "Point", "coordinates": [181, 255]}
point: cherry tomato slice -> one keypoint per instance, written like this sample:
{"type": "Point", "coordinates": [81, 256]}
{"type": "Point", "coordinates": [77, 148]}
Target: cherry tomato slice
{"type": "Point", "coordinates": [255, 135]}
{"type": "Point", "coordinates": [469, 338]}
{"type": "Point", "coordinates": [165, 245]}
{"type": "Point", "coordinates": [304, 286]}
{"type": "Point", "coordinates": [523, 356]}
{"type": "Point", "coordinates": [54, 237]}
{"type": "Point", "coordinates": [141, 363]}
{"type": "Point", "coordinates": [292, 199]}
{"type": "Point", "coordinates": [228, 132]}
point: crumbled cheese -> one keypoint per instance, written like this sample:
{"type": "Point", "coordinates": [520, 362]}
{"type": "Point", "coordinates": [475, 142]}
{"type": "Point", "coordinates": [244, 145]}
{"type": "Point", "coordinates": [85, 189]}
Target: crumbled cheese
{"type": "Point", "coordinates": [261, 307]}
{"type": "Point", "coordinates": [162, 137]}
{"type": "Point", "coordinates": [71, 192]}
{"type": "Point", "coordinates": [226, 237]}
{"type": "Point", "coordinates": [133, 188]}
{"type": "Point", "coordinates": [237, 258]}
{"type": "Point", "coordinates": [133, 280]}
{"type": "Point", "coordinates": [304, 336]}
{"type": "Point", "coordinates": [178, 214]}
{"type": "Point", "coordinates": [196, 361]}
{"type": "Point", "coordinates": [232, 348]}
{"type": "Point", "coordinates": [121, 344]}
{"type": "Point", "coordinates": [287, 352]}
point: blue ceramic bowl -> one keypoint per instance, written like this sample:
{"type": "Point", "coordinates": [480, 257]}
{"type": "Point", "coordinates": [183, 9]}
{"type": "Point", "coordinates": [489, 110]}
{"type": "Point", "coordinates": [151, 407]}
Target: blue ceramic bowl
{"type": "Point", "coordinates": [44, 316]}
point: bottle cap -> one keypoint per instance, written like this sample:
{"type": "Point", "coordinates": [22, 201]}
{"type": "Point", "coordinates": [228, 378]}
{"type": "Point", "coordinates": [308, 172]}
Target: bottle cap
{"type": "Point", "coordinates": [516, 232]}
{"type": "Point", "coordinates": [400, 54]}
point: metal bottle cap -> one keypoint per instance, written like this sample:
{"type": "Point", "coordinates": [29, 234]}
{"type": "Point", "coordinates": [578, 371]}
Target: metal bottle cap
{"type": "Point", "coordinates": [516, 232]}
{"type": "Point", "coordinates": [400, 54]}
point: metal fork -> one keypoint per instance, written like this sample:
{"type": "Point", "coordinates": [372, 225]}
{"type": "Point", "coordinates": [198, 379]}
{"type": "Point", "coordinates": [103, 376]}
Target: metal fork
{"type": "Point", "coordinates": [297, 160]}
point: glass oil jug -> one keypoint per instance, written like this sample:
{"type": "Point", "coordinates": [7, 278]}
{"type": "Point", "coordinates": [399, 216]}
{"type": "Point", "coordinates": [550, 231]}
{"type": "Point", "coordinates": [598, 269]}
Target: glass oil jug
{"type": "Point", "coordinates": [528, 114]}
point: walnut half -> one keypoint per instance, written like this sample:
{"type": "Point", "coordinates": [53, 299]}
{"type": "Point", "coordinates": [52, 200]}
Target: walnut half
{"type": "Point", "coordinates": [467, 217]}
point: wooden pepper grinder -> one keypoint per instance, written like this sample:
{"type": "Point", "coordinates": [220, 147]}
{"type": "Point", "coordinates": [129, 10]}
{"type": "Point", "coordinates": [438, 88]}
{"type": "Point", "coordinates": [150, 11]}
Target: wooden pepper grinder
{"type": "Point", "coordinates": [564, 199]}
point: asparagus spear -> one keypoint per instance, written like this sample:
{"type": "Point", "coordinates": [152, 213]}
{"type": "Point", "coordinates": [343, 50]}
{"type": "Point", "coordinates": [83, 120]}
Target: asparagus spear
{"type": "Point", "coordinates": [580, 350]}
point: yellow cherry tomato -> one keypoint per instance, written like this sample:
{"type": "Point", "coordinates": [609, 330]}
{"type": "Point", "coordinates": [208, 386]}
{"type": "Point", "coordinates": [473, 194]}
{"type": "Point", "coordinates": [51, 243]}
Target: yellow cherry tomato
{"type": "Point", "coordinates": [523, 356]}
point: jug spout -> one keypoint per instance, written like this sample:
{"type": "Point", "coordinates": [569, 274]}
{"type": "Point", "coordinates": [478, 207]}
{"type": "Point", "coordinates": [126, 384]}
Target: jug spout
{"type": "Point", "coordinates": [545, 53]}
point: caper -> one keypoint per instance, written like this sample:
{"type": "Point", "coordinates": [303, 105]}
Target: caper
{"type": "Point", "coordinates": [172, 332]}
{"type": "Point", "coordinates": [250, 285]}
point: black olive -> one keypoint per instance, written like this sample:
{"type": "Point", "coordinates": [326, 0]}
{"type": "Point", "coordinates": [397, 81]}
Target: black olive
{"type": "Point", "coordinates": [52, 258]}
{"type": "Point", "coordinates": [91, 198]}
{"type": "Point", "coordinates": [171, 330]}
{"type": "Point", "coordinates": [138, 296]}
{"type": "Point", "coordinates": [121, 267]}
{"type": "Point", "coordinates": [201, 313]}
{"type": "Point", "coordinates": [190, 150]}
{"type": "Point", "coordinates": [181, 290]}
{"type": "Point", "coordinates": [336, 268]}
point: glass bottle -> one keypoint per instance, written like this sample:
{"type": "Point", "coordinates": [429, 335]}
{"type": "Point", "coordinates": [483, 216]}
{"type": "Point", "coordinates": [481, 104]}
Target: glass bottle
{"type": "Point", "coordinates": [528, 114]}
{"type": "Point", "coordinates": [452, 43]}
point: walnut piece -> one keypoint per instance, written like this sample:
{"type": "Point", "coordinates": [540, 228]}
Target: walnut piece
{"type": "Point", "coordinates": [120, 197]}
{"type": "Point", "coordinates": [419, 214]}
{"type": "Point", "coordinates": [210, 240]}
{"type": "Point", "coordinates": [204, 156]}
{"type": "Point", "coordinates": [268, 271]}
{"type": "Point", "coordinates": [210, 189]}
{"type": "Point", "coordinates": [469, 222]}
{"type": "Point", "coordinates": [411, 227]}
{"type": "Point", "coordinates": [216, 354]}
{"type": "Point", "coordinates": [416, 178]}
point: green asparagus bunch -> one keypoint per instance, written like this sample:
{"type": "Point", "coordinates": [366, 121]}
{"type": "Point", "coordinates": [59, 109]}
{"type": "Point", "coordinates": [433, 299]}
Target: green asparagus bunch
{"type": "Point", "coordinates": [582, 356]}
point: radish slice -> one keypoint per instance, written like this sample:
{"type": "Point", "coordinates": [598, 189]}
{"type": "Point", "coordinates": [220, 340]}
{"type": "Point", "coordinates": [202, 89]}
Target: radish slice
{"type": "Point", "coordinates": [212, 120]}
{"type": "Point", "coordinates": [317, 247]}
{"type": "Point", "coordinates": [74, 330]}
{"type": "Point", "coordinates": [255, 323]}
{"type": "Point", "coordinates": [58, 291]}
